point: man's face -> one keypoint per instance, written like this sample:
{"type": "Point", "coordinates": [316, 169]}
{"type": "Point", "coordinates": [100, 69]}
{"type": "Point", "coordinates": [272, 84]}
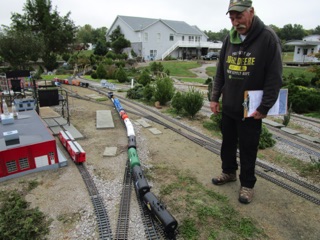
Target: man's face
{"type": "Point", "coordinates": [242, 21]}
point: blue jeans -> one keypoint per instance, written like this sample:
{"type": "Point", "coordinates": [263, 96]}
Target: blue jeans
{"type": "Point", "coordinates": [245, 134]}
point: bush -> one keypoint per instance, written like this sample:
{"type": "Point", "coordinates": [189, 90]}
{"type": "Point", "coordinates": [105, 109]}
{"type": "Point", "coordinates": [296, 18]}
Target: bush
{"type": "Point", "coordinates": [148, 92]}
{"type": "Point", "coordinates": [193, 102]}
{"type": "Point", "coordinates": [136, 92]}
{"type": "Point", "coordinates": [18, 221]}
{"type": "Point", "coordinates": [303, 99]}
{"type": "Point", "coordinates": [121, 75]}
{"type": "Point", "coordinates": [101, 72]}
{"type": "Point", "coordinates": [164, 90]}
{"type": "Point", "coordinates": [94, 75]}
{"type": "Point", "coordinates": [210, 85]}
{"type": "Point", "coordinates": [266, 139]}
{"type": "Point", "coordinates": [144, 78]}
{"type": "Point", "coordinates": [177, 102]}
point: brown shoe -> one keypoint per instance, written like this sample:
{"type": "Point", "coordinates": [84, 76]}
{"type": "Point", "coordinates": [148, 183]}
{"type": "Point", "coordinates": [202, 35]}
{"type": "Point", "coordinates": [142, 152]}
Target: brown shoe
{"type": "Point", "coordinates": [245, 195]}
{"type": "Point", "coordinates": [224, 178]}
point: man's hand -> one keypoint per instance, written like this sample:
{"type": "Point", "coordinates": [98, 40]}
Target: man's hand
{"type": "Point", "coordinates": [215, 107]}
{"type": "Point", "coordinates": [257, 115]}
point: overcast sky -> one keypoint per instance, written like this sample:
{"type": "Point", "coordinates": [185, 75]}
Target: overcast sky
{"type": "Point", "coordinates": [206, 14]}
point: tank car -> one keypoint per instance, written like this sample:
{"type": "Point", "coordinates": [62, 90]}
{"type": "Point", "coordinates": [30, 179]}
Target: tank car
{"type": "Point", "coordinates": [159, 211]}
{"type": "Point", "coordinates": [140, 182]}
{"type": "Point", "coordinates": [133, 157]}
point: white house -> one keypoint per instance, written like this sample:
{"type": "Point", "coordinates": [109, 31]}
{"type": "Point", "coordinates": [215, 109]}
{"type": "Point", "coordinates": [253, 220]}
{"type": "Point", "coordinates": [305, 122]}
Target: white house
{"type": "Point", "coordinates": [155, 39]}
{"type": "Point", "coordinates": [305, 49]}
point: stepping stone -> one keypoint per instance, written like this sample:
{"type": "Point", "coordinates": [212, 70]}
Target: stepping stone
{"type": "Point", "coordinates": [110, 151]}
{"type": "Point", "coordinates": [272, 123]}
{"type": "Point", "coordinates": [104, 119]}
{"type": "Point", "coordinates": [143, 123]}
{"type": "Point", "coordinates": [155, 131]}
{"type": "Point", "coordinates": [291, 131]}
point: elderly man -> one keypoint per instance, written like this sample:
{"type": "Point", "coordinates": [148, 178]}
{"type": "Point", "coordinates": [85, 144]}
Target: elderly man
{"type": "Point", "coordinates": [250, 59]}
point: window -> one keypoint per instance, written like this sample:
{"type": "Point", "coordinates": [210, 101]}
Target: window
{"type": "Point", "coordinates": [146, 37]}
{"type": "Point", "coordinates": [298, 51]}
{"type": "Point", "coordinates": [171, 38]}
{"type": "Point", "coordinates": [153, 53]}
{"type": "Point", "coordinates": [51, 156]}
{"type": "Point", "coordinates": [158, 37]}
{"type": "Point", "coordinates": [11, 166]}
{"type": "Point", "coordinates": [182, 38]}
{"type": "Point", "coordinates": [312, 50]}
{"type": "Point", "coordinates": [23, 163]}
{"type": "Point", "coordinates": [197, 38]}
{"type": "Point", "coordinates": [191, 38]}
{"type": "Point", "coordinates": [305, 51]}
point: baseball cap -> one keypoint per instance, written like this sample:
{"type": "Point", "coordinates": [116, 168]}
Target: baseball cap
{"type": "Point", "coordinates": [239, 5]}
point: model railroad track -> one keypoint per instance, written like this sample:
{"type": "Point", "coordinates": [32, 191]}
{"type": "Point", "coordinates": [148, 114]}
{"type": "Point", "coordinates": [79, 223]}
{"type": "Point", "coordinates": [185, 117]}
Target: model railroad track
{"type": "Point", "coordinates": [312, 121]}
{"type": "Point", "coordinates": [153, 230]}
{"type": "Point", "coordinates": [303, 145]}
{"type": "Point", "coordinates": [214, 147]}
{"type": "Point", "coordinates": [103, 221]}
{"type": "Point", "coordinates": [124, 211]}
{"type": "Point", "coordinates": [293, 140]}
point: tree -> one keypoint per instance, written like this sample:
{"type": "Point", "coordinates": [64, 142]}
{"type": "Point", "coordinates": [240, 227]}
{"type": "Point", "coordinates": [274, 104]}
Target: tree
{"type": "Point", "coordinates": [101, 48]}
{"type": "Point", "coordinates": [289, 32]}
{"type": "Point", "coordinates": [119, 44]}
{"type": "Point", "coordinates": [14, 50]}
{"type": "Point", "coordinates": [316, 30]}
{"type": "Point", "coordinates": [116, 34]}
{"type": "Point", "coordinates": [87, 34]}
{"type": "Point", "coordinates": [58, 33]}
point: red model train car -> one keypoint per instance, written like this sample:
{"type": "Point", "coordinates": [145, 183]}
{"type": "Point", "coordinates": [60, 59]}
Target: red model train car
{"type": "Point", "coordinates": [76, 152]}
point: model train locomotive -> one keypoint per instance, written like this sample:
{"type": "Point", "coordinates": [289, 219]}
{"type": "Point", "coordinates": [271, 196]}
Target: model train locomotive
{"type": "Point", "coordinates": [157, 209]}
{"type": "Point", "coordinates": [77, 154]}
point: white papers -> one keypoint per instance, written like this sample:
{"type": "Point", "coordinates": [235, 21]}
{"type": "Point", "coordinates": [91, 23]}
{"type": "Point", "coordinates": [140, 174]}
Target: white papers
{"type": "Point", "coordinates": [253, 100]}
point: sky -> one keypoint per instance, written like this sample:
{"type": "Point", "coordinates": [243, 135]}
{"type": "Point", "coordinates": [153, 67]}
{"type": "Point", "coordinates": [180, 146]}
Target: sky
{"type": "Point", "coordinates": [209, 15]}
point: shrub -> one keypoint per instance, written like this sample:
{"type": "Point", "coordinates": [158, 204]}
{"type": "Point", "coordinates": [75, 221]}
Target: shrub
{"type": "Point", "coordinates": [18, 221]}
{"type": "Point", "coordinates": [156, 68]}
{"type": "Point", "coordinates": [193, 102]}
{"type": "Point", "coordinates": [144, 78]}
{"type": "Point", "coordinates": [266, 139]}
{"type": "Point", "coordinates": [148, 92]}
{"type": "Point", "coordinates": [303, 99]}
{"type": "Point", "coordinates": [210, 85]}
{"type": "Point", "coordinates": [164, 90]}
{"type": "Point", "coordinates": [101, 71]}
{"type": "Point", "coordinates": [94, 75]}
{"type": "Point", "coordinates": [136, 92]}
{"type": "Point", "coordinates": [121, 75]}
{"type": "Point", "coordinates": [216, 119]}
{"type": "Point", "coordinates": [177, 102]}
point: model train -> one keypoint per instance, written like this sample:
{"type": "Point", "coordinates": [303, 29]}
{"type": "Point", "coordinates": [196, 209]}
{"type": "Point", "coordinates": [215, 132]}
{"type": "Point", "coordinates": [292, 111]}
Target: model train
{"type": "Point", "coordinates": [157, 209]}
{"type": "Point", "coordinates": [75, 82]}
{"type": "Point", "coordinates": [76, 152]}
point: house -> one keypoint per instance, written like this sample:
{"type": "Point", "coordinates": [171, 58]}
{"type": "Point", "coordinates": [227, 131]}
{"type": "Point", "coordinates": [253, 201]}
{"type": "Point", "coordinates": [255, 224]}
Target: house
{"type": "Point", "coordinates": [305, 49]}
{"type": "Point", "coordinates": [26, 145]}
{"type": "Point", "coordinates": [156, 39]}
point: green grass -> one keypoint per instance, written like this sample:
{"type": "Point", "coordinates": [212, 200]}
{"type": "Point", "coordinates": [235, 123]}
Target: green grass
{"type": "Point", "coordinates": [298, 71]}
{"type": "Point", "coordinates": [313, 114]}
{"type": "Point", "coordinates": [287, 56]}
{"type": "Point", "coordinates": [181, 68]}
{"type": "Point", "coordinates": [203, 213]}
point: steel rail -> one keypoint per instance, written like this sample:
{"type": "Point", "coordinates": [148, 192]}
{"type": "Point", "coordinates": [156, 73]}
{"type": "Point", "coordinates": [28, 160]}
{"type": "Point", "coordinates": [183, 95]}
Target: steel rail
{"type": "Point", "coordinates": [124, 211]}
{"type": "Point", "coordinates": [103, 221]}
